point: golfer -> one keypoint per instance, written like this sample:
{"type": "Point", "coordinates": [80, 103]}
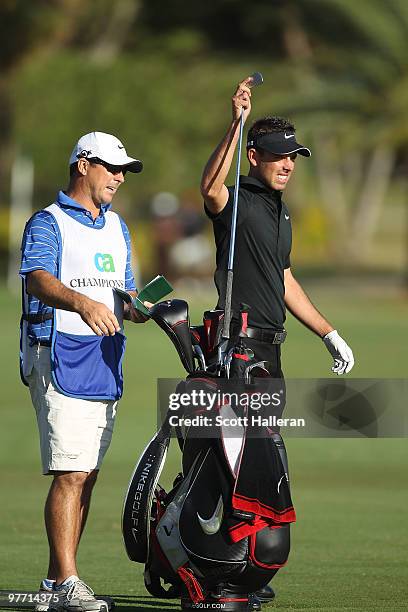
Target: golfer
{"type": "Point", "coordinates": [263, 278]}
{"type": "Point", "coordinates": [74, 253]}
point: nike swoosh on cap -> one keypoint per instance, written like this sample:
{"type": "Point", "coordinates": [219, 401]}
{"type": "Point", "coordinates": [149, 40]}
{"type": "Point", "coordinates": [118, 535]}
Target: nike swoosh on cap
{"type": "Point", "coordinates": [289, 136]}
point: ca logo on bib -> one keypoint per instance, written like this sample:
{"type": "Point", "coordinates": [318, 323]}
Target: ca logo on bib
{"type": "Point", "coordinates": [104, 262]}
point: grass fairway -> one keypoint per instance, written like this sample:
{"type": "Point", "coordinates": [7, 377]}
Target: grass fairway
{"type": "Point", "coordinates": [349, 546]}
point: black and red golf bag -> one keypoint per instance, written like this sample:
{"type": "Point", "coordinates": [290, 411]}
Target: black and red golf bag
{"type": "Point", "coordinates": [222, 532]}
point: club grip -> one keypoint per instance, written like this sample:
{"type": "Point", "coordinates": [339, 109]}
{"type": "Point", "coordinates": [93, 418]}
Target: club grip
{"type": "Point", "coordinates": [228, 302]}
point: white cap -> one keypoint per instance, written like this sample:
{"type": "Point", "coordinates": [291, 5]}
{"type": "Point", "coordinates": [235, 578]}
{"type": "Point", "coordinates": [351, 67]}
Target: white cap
{"type": "Point", "coordinates": [106, 147]}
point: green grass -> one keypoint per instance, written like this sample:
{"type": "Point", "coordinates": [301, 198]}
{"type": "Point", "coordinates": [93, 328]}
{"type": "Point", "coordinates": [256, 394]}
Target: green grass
{"type": "Point", "coordinates": [350, 541]}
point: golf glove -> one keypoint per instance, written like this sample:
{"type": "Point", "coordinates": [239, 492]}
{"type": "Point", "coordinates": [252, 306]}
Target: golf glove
{"type": "Point", "coordinates": [340, 351]}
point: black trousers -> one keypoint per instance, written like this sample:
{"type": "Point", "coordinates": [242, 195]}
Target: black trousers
{"type": "Point", "coordinates": [264, 351]}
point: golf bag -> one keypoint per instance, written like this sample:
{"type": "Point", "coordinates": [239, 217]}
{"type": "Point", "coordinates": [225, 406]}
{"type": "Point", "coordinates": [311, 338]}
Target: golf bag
{"type": "Point", "coordinates": [222, 532]}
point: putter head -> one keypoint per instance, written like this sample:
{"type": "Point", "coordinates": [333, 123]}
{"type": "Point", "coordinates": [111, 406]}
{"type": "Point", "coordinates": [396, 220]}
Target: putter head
{"type": "Point", "coordinates": [256, 79]}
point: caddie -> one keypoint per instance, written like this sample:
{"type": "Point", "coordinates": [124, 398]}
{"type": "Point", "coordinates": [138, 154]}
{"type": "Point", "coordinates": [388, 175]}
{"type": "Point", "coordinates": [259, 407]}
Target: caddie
{"type": "Point", "coordinates": [74, 253]}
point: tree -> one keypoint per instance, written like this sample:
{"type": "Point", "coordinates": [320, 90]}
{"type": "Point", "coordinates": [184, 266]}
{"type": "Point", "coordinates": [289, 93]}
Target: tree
{"type": "Point", "coordinates": [356, 96]}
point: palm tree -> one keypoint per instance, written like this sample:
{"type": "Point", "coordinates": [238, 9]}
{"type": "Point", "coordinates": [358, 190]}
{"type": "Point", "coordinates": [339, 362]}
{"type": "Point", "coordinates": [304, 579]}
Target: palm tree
{"type": "Point", "coordinates": [354, 96]}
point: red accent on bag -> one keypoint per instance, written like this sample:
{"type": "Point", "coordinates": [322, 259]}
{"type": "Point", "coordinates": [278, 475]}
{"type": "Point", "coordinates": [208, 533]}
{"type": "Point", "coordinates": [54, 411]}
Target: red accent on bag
{"type": "Point", "coordinates": [244, 319]}
{"type": "Point", "coordinates": [193, 586]}
{"type": "Point", "coordinates": [242, 530]}
{"type": "Point", "coordinates": [225, 599]}
{"type": "Point", "coordinates": [239, 502]}
{"type": "Point", "coordinates": [239, 356]}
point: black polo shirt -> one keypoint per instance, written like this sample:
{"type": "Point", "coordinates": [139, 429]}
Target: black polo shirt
{"type": "Point", "coordinates": [262, 252]}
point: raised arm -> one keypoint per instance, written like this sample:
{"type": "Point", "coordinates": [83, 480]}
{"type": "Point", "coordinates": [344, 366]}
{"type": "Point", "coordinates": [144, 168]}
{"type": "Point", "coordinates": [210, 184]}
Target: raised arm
{"type": "Point", "coordinates": [213, 188]}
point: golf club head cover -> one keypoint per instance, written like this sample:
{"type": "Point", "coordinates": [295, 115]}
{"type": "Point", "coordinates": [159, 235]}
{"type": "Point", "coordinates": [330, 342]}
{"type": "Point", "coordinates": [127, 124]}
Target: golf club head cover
{"type": "Point", "coordinates": [242, 357]}
{"type": "Point", "coordinates": [198, 337]}
{"type": "Point", "coordinates": [172, 316]}
{"type": "Point", "coordinates": [243, 312]}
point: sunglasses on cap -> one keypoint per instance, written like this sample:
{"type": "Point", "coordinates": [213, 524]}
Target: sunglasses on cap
{"type": "Point", "coordinates": [109, 167]}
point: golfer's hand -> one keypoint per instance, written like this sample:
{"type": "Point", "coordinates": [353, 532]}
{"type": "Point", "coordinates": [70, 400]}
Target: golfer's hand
{"type": "Point", "coordinates": [98, 316]}
{"type": "Point", "coordinates": [241, 100]}
{"type": "Point", "coordinates": [134, 315]}
{"type": "Point", "coordinates": [340, 351]}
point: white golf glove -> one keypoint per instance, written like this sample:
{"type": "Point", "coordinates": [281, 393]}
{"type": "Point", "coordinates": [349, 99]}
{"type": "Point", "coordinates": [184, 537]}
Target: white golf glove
{"type": "Point", "coordinates": [340, 351]}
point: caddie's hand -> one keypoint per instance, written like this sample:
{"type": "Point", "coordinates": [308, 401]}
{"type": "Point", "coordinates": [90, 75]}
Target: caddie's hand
{"type": "Point", "coordinates": [242, 100]}
{"type": "Point", "coordinates": [135, 315]}
{"type": "Point", "coordinates": [99, 317]}
{"type": "Point", "coordinates": [340, 351]}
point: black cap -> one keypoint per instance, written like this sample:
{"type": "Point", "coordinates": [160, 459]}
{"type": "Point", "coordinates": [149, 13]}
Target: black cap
{"type": "Point", "coordinates": [279, 143]}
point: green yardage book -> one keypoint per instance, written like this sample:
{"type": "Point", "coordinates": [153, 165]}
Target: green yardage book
{"type": "Point", "coordinates": [154, 291]}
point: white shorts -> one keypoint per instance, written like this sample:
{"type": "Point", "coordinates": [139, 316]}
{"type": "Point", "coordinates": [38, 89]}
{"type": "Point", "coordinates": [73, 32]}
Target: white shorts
{"type": "Point", "coordinates": [74, 433]}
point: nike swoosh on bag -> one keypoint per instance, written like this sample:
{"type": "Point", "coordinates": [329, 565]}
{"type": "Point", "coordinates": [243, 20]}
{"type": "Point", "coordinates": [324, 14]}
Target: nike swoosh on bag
{"type": "Point", "coordinates": [212, 525]}
{"type": "Point", "coordinates": [280, 482]}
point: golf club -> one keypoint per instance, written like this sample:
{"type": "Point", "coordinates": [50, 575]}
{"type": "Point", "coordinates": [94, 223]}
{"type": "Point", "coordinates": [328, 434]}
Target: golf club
{"type": "Point", "coordinates": [256, 80]}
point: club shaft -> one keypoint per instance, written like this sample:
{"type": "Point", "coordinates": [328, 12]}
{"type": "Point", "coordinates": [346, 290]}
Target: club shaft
{"type": "Point", "coordinates": [230, 272]}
